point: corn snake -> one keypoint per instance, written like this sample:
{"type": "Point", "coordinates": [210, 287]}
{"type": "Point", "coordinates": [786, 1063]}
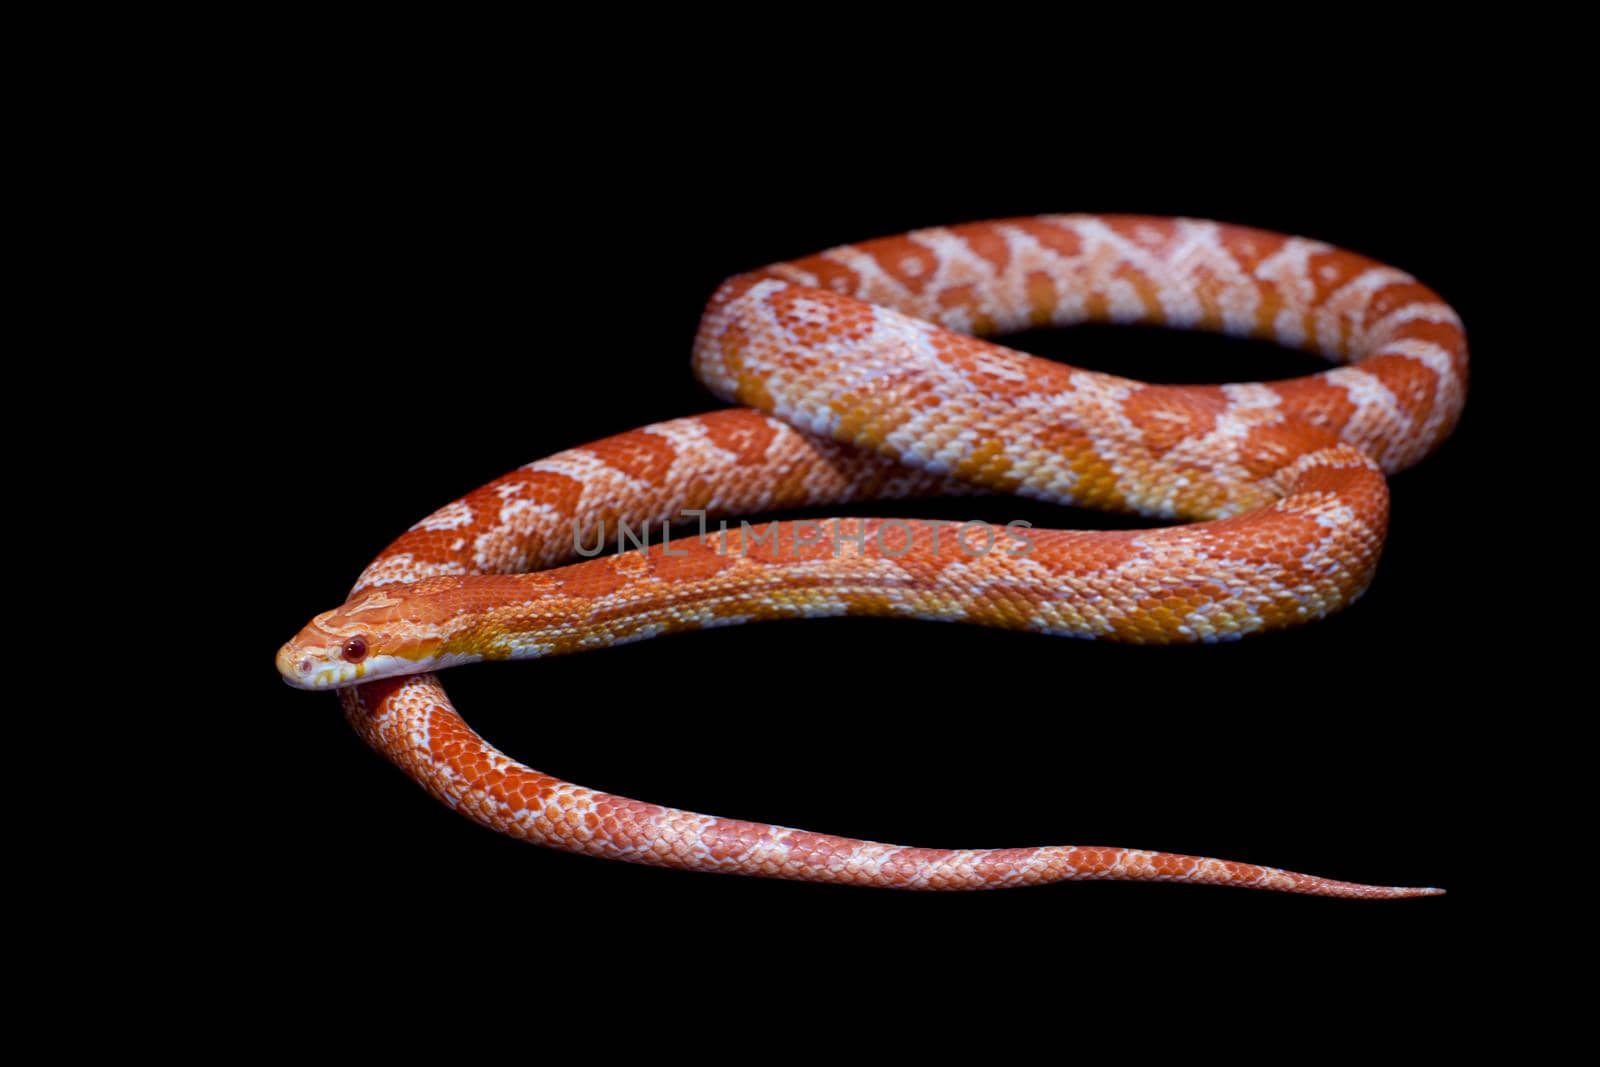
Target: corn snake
{"type": "Point", "coordinates": [853, 393]}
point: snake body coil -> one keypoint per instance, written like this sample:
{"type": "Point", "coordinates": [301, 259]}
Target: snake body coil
{"type": "Point", "coordinates": [863, 379]}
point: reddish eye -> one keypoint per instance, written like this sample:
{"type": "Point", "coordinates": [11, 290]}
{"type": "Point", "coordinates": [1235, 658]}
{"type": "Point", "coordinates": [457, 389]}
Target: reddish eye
{"type": "Point", "coordinates": [355, 649]}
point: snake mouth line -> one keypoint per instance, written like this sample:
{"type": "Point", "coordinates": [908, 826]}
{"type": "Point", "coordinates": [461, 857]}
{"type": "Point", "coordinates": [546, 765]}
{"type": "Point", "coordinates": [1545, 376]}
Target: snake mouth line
{"type": "Point", "coordinates": [325, 676]}
{"type": "Point", "coordinates": [301, 671]}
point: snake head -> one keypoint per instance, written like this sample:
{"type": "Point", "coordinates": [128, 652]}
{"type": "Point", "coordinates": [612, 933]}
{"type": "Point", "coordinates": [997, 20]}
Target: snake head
{"type": "Point", "coordinates": [376, 635]}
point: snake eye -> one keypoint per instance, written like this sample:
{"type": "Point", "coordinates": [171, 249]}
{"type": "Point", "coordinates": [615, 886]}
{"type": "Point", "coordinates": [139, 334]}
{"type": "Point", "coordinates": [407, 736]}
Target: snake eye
{"type": "Point", "coordinates": [355, 649]}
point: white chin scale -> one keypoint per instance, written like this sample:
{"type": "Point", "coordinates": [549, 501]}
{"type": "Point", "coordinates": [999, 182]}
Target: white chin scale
{"type": "Point", "coordinates": [339, 674]}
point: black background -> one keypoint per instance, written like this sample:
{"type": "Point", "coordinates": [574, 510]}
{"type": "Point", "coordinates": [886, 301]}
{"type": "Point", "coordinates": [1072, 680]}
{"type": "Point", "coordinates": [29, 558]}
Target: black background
{"type": "Point", "coordinates": [443, 296]}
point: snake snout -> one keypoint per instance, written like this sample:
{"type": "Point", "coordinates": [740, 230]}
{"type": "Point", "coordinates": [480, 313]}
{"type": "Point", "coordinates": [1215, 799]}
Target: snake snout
{"type": "Point", "coordinates": [302, 666]}
{"type": "Point", "coordinates": [296, 667]}
{"type": "Point", "coordinates": [317, 658]}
